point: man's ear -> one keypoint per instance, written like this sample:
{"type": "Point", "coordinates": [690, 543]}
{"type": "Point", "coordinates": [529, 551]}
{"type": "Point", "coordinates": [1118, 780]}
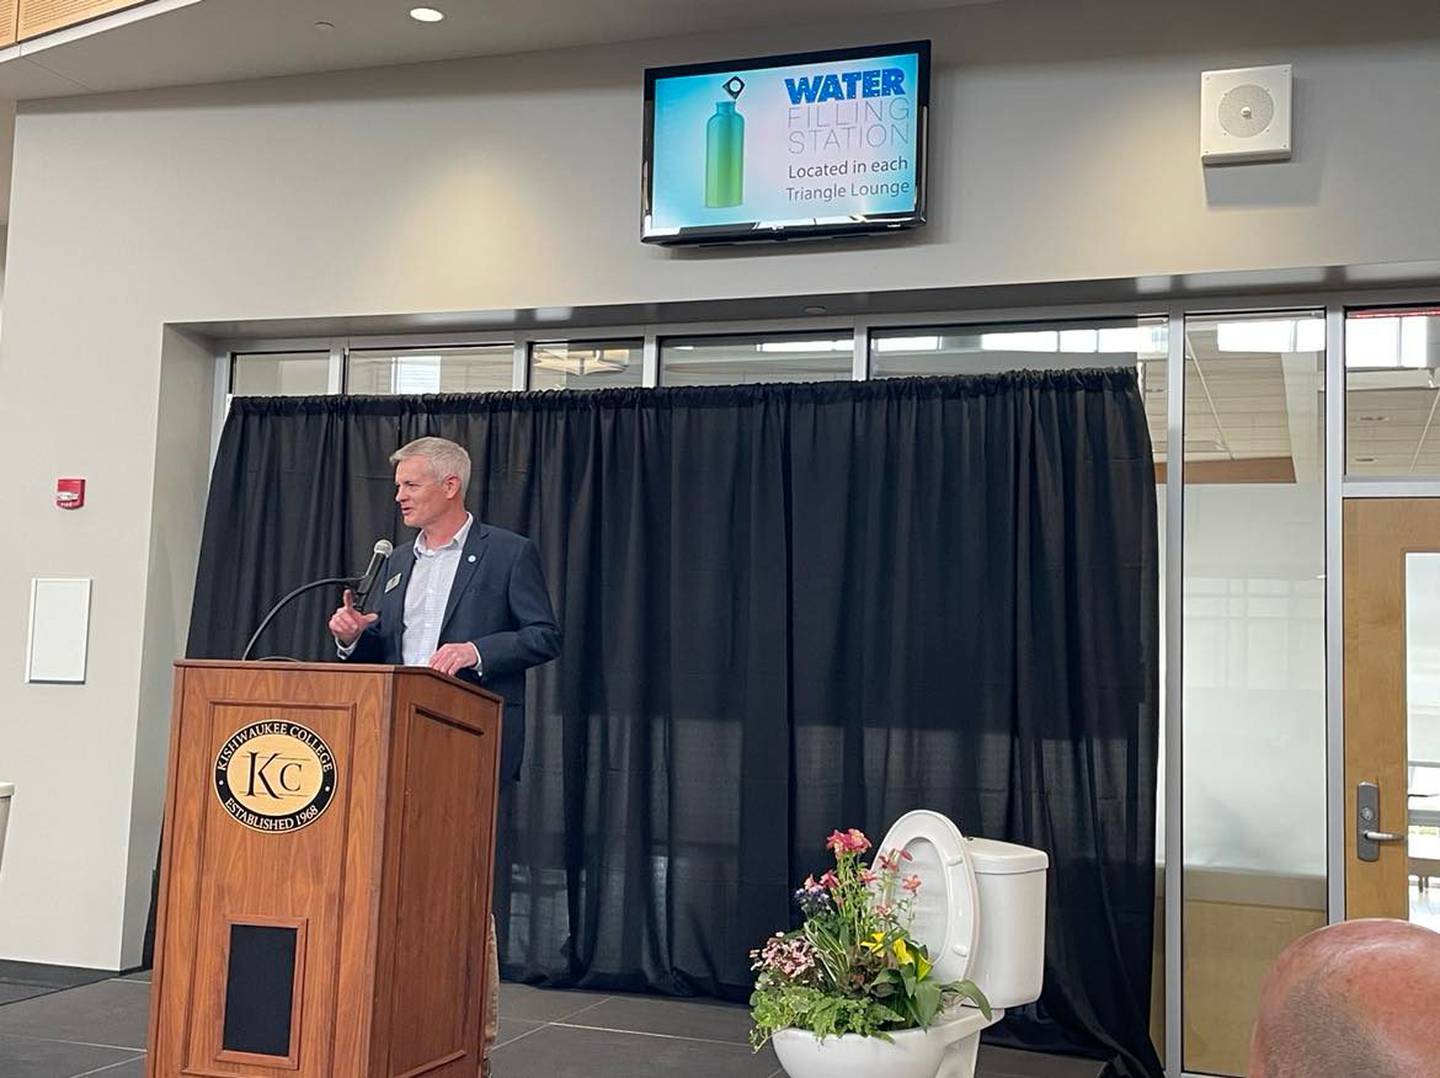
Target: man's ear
{"type": "Point", "coordinates": [452, 485]}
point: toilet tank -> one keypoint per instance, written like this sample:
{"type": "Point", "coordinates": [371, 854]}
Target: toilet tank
{"type": "Point", "coordinates": [1010, 952]}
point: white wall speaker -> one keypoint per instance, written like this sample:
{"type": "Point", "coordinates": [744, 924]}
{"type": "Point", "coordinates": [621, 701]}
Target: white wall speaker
{"type": "Point", "coordinates": [1245, 115]}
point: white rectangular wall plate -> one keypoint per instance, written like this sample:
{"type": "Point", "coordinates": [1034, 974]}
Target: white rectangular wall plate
{"type": "Point", "coordinates": [59, 630]}
{"type": "Point", "coordinates": [1245, 115]}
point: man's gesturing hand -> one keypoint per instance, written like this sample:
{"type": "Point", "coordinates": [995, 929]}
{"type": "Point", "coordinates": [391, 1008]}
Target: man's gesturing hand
{"type": "Point", "coordinates": [452, 658]}
{"type": "Point", "coordinates": [347, 623]}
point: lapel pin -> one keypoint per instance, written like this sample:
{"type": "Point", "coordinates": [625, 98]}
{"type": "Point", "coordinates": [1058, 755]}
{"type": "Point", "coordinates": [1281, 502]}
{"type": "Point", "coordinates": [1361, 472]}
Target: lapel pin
{"type": "Point", "coordinates": [472, 557]}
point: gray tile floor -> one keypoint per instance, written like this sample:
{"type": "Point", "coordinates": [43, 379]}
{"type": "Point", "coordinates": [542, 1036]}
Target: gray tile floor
{"type": "Point", "coordinates": [49, 1030]}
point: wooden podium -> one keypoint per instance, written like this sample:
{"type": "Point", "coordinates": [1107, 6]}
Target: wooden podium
{"type": "Point", "coordinates": [325, 885]}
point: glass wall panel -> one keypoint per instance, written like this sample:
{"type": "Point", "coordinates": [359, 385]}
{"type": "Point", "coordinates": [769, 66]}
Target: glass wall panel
{"type": "Point", "coordinates": [796, 357]}
{"type": "Point", "coordinates": [1391, 394]}
{"type": "Point", "coordinates": [279, 374]}
{"type": "Point", "coordinates": [1254, 666]}
{"type": "Point", "coordinates": [585, 364]}
{"type": "Point", "coordinates": [487, 368]}
{"type": "Point", "coordinates": [981, 349]}
{"type": "Point", "coordinates": [1422, 704]}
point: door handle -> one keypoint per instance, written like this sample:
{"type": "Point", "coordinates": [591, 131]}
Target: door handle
{"type": "Point", "coordinates": [1367, 822]}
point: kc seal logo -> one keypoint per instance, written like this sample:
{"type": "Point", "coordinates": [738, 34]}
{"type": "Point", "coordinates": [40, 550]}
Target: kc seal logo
{"type": "Point", "coordinates": [275, 776]}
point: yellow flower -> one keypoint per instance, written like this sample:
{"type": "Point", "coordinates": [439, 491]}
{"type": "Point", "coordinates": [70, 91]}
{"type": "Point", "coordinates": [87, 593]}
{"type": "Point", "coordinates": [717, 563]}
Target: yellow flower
{"type": "Point", "coordinates": [902, 952]}
{"type": "Point", "coordinates": [874, 943]}
{"type": "Point", "coordinates": [923, 966]}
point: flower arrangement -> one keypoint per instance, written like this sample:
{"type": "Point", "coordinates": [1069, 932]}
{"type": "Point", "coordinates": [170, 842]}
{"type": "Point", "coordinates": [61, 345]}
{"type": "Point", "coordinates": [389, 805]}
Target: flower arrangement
{"type": "Point", "coordinates": [852, 966]}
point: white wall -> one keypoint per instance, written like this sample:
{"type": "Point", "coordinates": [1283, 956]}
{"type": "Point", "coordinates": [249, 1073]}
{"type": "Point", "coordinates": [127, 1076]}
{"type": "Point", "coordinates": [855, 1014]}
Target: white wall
{"type": "Point", "coordinates": [184, 426]}
{"type": "Point", "coordinates": [1064, 145]}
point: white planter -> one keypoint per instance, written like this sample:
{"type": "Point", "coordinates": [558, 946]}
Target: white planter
{"type": "Point", "coordinates": [946, 1050]}
{"type": "Point", "coordinates": [7, 790]}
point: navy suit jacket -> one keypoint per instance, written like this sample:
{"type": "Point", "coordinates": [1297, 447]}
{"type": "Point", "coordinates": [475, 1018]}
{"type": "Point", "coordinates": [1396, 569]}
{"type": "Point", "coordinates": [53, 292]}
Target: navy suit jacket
{"type": "Point", "coordinates": [498, 603]}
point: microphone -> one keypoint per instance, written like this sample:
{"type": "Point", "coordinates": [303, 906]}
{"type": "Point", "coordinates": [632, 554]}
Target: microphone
{"type": "Point", "coordinates": [361, 584]}
{"type": "Point", "coordinates": [381, 555]}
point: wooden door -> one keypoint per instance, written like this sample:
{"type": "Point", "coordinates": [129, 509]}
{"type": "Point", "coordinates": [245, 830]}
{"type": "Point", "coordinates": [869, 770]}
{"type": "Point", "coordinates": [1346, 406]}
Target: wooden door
{"type": "Point", "coordinates": [1391, 634]}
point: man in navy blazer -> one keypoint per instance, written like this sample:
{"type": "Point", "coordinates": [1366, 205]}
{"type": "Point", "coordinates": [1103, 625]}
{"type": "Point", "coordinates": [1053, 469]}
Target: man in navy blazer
{"type": "Point", "coordinates": [465, 598]}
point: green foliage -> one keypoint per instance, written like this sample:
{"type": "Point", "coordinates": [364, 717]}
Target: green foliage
{"type": "Point", "coordinates": [790, 1006]}
{"type": "Point", "coordinates": [853, 966]}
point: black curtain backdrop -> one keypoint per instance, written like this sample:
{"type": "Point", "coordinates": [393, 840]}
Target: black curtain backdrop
{"type": "Point", "coordinates": [787, 608]}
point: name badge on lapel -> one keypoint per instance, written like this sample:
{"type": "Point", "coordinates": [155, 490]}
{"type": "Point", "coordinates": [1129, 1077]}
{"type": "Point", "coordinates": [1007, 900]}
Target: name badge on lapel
{"type": "Point", "coordinates": [390, 584]}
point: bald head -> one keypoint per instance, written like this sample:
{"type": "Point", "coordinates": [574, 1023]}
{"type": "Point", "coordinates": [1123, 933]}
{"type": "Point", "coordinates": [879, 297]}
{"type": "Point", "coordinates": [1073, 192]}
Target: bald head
{"type": "Point", "coordinates": [1356, 998]}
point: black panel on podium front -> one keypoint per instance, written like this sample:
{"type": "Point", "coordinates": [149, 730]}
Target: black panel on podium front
{"type": "Point", "coordinates": [260, 989]}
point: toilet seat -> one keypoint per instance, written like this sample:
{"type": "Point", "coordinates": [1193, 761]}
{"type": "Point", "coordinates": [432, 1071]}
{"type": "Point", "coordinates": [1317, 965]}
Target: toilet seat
{"type": "Point", "coordinates": [947, 907]}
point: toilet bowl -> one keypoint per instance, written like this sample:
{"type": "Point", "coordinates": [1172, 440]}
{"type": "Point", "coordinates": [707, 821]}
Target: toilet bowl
{"type": "Point", "coordinates": [946, 1050]}
{"type": "Point", "coordinates": [980, 912]}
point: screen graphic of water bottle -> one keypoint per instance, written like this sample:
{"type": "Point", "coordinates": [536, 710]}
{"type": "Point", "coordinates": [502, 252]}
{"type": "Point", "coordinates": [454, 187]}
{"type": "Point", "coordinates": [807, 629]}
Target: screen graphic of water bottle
{"type": "Point", "coordinates": [725, 150]}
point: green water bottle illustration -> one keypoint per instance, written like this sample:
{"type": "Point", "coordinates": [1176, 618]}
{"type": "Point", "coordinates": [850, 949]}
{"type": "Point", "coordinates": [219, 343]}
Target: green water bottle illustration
{"type": "Point", "coordinates": [725, 151]}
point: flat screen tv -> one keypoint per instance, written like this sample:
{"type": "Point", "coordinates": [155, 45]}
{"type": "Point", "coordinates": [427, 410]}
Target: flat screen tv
{"type": "Point", "coordinates": [778, 147]}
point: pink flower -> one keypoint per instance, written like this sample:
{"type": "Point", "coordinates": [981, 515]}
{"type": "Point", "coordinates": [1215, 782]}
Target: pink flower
{"type": "Point", "coordinates": [829, 881]}
{"type": "Point", "coordinates": [907, 855]}
{"type": "Point", "coordinates": [882, 910]}
{"type": "Point", "coordinates": [790, 958]}
{"type": "Point", "coordinates": [911, 884]}
{"type": "Point", "coordinates": [852, 841]}
{"type": "Point", "coordinates": [867, 877]}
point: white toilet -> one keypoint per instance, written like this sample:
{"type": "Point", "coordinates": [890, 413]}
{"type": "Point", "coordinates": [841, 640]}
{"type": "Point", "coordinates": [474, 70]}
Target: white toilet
{"type": "Point", "coordinates": [981, 913]}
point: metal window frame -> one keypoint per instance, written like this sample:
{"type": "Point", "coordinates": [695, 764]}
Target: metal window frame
{"type": "Point", "coordinates": [1338, 487]}
{"type": "Point", "coordinates": [857, 329]}
{"type": "Point", "coordinates": [220, 401]}
{"type": "Point", "coordinates": [1174, 776]}
{"type": "Point", "coordinates": [277, 346]}
{"type": "Point", "coordinates": [1334, 612]}
{"type": "Point", "coordinates": [525, 348]}
{"type": "Point", "coordinates": [343, 348]}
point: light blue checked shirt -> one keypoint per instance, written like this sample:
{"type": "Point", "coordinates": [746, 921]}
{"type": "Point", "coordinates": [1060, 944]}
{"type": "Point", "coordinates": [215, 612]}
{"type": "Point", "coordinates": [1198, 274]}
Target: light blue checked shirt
{"type": "Point", "coordinates": [425, 597]}
{"type": "Point", "coordinates": [427, 593]}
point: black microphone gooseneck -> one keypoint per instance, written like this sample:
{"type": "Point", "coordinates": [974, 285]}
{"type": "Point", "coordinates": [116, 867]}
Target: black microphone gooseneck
{"type": "Point", "coordinates": [366, 582]}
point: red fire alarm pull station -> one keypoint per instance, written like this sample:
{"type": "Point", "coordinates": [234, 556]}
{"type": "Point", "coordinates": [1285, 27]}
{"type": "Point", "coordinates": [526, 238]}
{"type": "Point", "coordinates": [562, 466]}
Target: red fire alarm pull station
{"type": "Point", "coordinates": [69, 493]}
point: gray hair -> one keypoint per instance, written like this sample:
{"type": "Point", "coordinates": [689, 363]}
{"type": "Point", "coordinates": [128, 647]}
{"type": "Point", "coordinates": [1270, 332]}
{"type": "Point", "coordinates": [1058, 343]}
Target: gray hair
{"type": "Point", "coordinates": [444, 456]}
{"type": "Point", "coordinates": [1317, 1034]}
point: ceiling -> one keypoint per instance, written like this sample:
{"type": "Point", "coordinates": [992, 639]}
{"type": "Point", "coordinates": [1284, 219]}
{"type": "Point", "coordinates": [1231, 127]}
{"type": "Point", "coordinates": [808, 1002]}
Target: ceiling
{"type": "Point", "coordinates": [185, 42]}
{"type": "Point", "coordinates": [1392, 431]}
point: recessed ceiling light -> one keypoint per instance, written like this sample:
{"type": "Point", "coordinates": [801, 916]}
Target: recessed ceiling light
{"type": "Point", "coordinates": [426, 14]}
